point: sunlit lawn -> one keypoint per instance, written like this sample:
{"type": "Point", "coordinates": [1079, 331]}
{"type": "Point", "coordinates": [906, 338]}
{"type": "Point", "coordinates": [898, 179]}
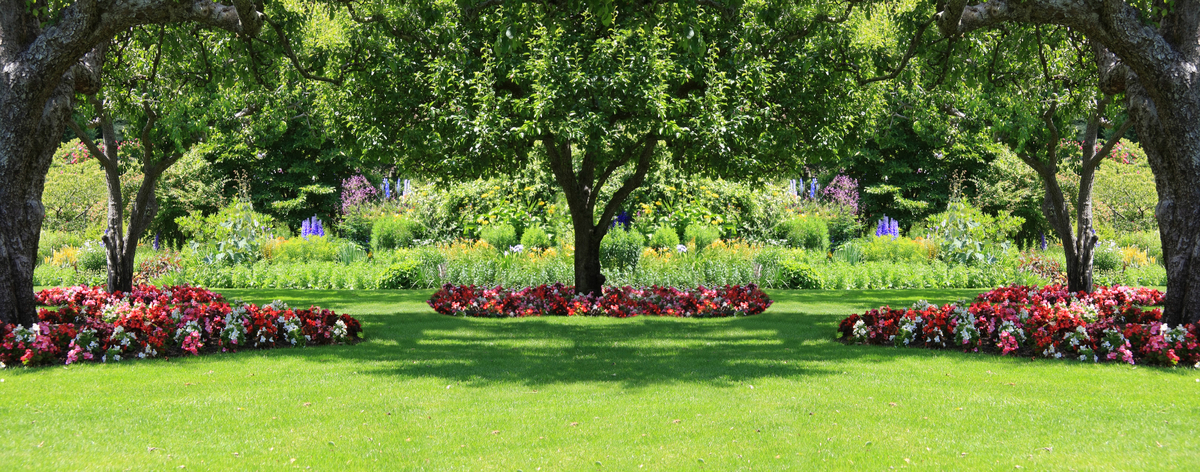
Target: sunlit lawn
{"type": "Point", "coordinates": [431, 392]}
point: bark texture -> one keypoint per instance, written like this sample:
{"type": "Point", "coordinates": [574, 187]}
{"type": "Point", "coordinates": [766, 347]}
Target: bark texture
{"type": "Point", "coordinates": [582, 189]}
{"type": "Point", "coordinates": [41, 68]}
{"type": "Point", "coordinates": [1157, 71]}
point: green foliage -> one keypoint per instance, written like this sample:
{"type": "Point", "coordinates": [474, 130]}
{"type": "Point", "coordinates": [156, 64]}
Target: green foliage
{"type": "Point", "coordinates": [664, 238]}
{"type": "Point", "coordinates": [403, 274]}
{"type": "Point", "coordinates": [357, 226]}
{"type": "Point", "coordinates": [701, 234]}
{"type": "Point", "coordinates": [392, 232]}
{"type": "Point", "coordinates": [92, 257]}
{"type": "Point", "coordinates": [1148, 241]}
{"type": "Point", "coordinates": [1107, 256]}
{"type": "Point", "coordinates": [312, 249]}
{"type": "Point", "coordinates": [75, 196]}
{"type": "Point", "coordinates": [620, 249]}
{"type": "Point", "coordinates": [233, 235]}
{"type": "Point", "coordinates": [806, 232]}
{"type": "Point", "coordinates": [884, 248]}
{"type": "Point", "coordinates": [795, 274]}
{"type": "Point", "coordinates": [501, 236]}
{"type": "Point", "coordinates": [1125, 197]}
{"type": "Point", "coordinates": [966, 235]}
{"type": "Point", "coordinates": [50, 241]}
{"type": "Point", "coordinates": [535, 238]}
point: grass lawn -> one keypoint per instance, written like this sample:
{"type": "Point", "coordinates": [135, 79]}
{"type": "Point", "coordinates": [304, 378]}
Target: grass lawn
{"type": "Point", "coordinates": [430, 392]}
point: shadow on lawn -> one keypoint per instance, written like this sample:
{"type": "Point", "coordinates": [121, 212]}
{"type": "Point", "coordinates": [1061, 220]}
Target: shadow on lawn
{"type": "Point", "coordinates": [416, 342]}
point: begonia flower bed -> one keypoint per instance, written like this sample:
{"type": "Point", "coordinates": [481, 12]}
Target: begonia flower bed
{"type": "Point", "coordinates": [619, 302]}
{"type": "Point", "coordinates": [89, 324]}
{"type": "Point", "coordinates": [1109, 324]}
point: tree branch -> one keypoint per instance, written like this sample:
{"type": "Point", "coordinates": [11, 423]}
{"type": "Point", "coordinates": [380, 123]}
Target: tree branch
{"type": "Point", "coordinates": [287, 49]}
{"type": "Point", "coordinates": [632, 182]}
{"type": "Point", "coordinates": [912, 49]}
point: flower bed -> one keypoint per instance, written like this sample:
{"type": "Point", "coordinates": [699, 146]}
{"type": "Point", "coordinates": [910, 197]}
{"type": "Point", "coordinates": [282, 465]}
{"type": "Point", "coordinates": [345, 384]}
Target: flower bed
{"type": "Point", "coordinates": [622, 302]}
{"type": "Point", "coordinates": [88, 323]}
{"type": "Point", "coordinates": [1109, 324]}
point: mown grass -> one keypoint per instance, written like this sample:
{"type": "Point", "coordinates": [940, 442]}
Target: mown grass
{"type": "Point", "coordinates": [429, 392]}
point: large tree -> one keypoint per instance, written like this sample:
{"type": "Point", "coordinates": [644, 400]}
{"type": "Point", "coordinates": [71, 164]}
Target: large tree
{"type": "Point", "coordinates": [47, 54]}
{"type": "Point", "coordinates": [1150, 51]}
{"type": "Point", "coordinates": [603, 91]}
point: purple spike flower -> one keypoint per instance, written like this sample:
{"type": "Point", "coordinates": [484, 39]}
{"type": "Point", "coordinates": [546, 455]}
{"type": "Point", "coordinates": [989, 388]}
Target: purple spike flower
{"type": "Point", "coordinates": [387, 189]}
{"type": "Point", "coordinates": [812, 190]}
{"type": "Point", "coordinates": [157, 241]}
{"type": "Point", "coordinates": [1043, 240]}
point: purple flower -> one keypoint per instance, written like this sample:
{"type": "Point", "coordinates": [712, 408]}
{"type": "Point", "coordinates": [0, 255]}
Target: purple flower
{"type": "Point", "coordinates": [157, 241]}
{"type": "Point", "coordinates": [812, 189]}
{"type": "Point", "coordinates": [622, 219]}
{"type": "Point", "coordinates": [356, 191]}
{"type": "Point", "coordinates": [387, 189]}
{"type": "Point", "coordinates": [842, 191]}
{"type": "Point", "coordinates": [887, 227]}
{"type": "Point", "coordinates": [1043, 240]}
{"type": "Point", "coordinates": [312, 227]}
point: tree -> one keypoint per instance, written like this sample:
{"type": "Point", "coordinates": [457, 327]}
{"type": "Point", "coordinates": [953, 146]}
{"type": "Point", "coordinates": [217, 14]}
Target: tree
{"type": "Point", "coordinates": [1035, 107]}
{"type": "Point", "coordinates": [602, 91]}
{"type": "Point", "coordinates": [47, 53]}
{"type": "Point", "coordinates": [1149, 51]}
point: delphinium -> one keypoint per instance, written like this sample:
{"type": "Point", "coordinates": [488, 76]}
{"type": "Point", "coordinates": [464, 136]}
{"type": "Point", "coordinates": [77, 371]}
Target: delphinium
{"type": "Point", "coordinates": [312, 227]}
{"type": "Point", "coordinates": [387, 189]}
{"type": "Point", "coordinates": [622, 219]}
{"type": "Point", "coordinates": [157, 241]}
{"type": "Point", "coordinates": [812, 189]}
{"type": "Point", "coordinates": [356, 191]}
{"type": "Point", "coordinates": [887, 227]}
{"type": "Point", "coordinates": [1043, 245]}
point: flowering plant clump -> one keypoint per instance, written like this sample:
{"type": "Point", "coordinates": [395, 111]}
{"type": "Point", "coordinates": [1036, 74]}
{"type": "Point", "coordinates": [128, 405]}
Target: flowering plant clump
{"type": "Point", "coordinates": [1109, 324]}
{"type": "Point", "coordinates": [90, 324]}
{"type": "Point", "coordinates": [619, 302]}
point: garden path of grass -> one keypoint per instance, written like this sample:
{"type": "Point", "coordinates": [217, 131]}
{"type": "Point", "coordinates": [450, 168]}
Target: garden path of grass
{"type": "Point", "coordinates": [430, 392]}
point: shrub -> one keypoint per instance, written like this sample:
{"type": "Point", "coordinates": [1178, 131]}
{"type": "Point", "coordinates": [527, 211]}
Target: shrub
{"type": "Point", "coordinates": [313, 248]}
{"type": "Point", "coordinates": [1107, 256]}
{"type": "Point", "coordinates": [701, 234]}
{"type": "Point", "coordinates": [796, 274]}
{"type": "Point", "coordinates": [91, 256]}
{"type": "Point", "coordinates": [664, 238]}
{"type": "Point", "coordinates": [403, 274]}
{"type": "Point", "coordinates": [621, 249]}
{"type": "Point", "coordinates": [883, 248]}
{"type": "Point", "coordinates": [356, 226]}
{"type": "Point", "coordinates": [805, 232]}
{"type": "Point", "coordinates": [535, 238]}
{"type": "Point", "coordinates": [501, 236]}
{"type": "Point", "coordinates": [391, 232]}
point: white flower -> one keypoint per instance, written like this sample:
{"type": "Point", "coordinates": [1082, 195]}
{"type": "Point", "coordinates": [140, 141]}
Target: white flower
{"type": "Point", "coordinates": [681, 248]}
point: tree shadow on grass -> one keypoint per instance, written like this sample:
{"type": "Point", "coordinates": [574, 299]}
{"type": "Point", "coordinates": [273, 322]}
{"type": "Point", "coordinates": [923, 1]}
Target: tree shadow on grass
{"type": "Point", "coordinates": [414, 342]}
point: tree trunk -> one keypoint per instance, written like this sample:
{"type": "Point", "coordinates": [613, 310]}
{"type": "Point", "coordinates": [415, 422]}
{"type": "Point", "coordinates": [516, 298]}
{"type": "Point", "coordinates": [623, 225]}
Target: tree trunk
{"type": "Point", "coordinates": [588, 278]}
{"type": "Point", "coordinates": [1172, 144]}
{"type": "Point", "coordinates": [29, 134]}
{"type": "Point", "coordinates": [582, 188]}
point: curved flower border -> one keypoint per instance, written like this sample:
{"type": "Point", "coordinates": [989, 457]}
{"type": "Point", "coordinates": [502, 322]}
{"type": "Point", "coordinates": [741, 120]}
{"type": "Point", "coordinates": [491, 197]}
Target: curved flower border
{"type": "Point", "coordinates": [90, 324]}
{"type": "Point", "coordinates": [619, 302]}
{"type": "Point", "coordinates": [1109, 324]}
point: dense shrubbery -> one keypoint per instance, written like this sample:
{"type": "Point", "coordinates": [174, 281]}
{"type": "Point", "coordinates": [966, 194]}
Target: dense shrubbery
{"type": "Point", "coordinates": [1109, 324]}
{"type": "Point", "coordinates": [89, 324]}
{"type": "Point", "coordinates": [392, 232]}
{"type": "Point", "coordinates": [619, 302]}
